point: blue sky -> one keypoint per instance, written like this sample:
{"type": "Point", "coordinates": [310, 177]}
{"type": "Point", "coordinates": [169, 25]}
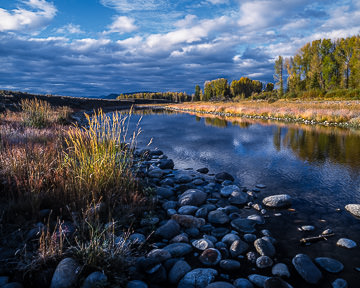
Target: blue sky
{"type": "Point", "coordinates": [97, 47]}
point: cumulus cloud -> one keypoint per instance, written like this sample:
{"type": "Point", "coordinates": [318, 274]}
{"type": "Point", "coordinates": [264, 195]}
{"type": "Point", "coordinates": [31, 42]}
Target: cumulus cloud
{"type": "Point", "coordinates": [38, 14]}
{"type": "Point", "coordinates": [137, 5]}
{"type": "Point", "coordinates": [70, 29]}
{"type": "Point", "coordinates": [121, 25]}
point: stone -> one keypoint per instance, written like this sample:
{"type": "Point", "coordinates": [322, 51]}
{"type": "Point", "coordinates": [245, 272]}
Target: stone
{"type": "Point", "coordinates": [165, 192]}
{"type": "Point", "coordinates": [202, 212]}
{"type": "Point", "coordinates": [159, 276]}
{"type": "Point", "coordinates": [219, 232]}
{"type": "Point", "coordinates": [198, 278]}
{"type": "Point", "coordinates": [221, 177]}
{"type": "Point", "coordinates": [275, 282]}
{"type": "Point", "coordinates": [203, 170]}
{"type": "Point", "coordinates": [158, 255]}
{"type": "Point", "coordinates": [249, 237]}
{"type": "Point", "coordinates": [178, 249]}
{"type": "Point", "coordinates": [169, 205]}
{"type": "Point", "coordinates": [251, 257]}
{"type": "Point", "coordinates": [188, 221]}
{"type": "Point", "coordinates": [227, 190]}
{"type": "Point", "coordinates": [169, 230]}
{"type": "Point", "coordinates": [238, 198]}
{"type": "Point", "coordinates": [327, 232]}
{"type": "Point", "coordinates": [280, 270]}
{"type": "Point", "coordinates": [277, 201]}
{"type": "Point", "coordinates": [13, 285]}
{"type": "Point", "coordinates": [307, 228]}
{"type": "Point", "coordinates": [202, 244]}
{"type": "Point", "coordinates": [306, 268]}
{"type": "Point", "coordinates": [264, 248]}
{"type": "Point", "coordinates": [178, 271]}
{"type": "Point", "coordinates": [181, 238]}
{"type": "Point", "coordinates": [218, 217]}
{"type": "Point", "coordinates": [66, 274]}
{"type": "Point", "coordinates": [187, 210]}
{"type": "Point", "coordinates": [183, 179]}
{"type": "Point", "coordinates": [198, 182]}
{"type": "Point", "coordinates": [149, 221]}
{"type": "Point", "coordinates": [3, 280]}
{"type": "Point", "coordinates": [210, 257]}
{"type": "Point", "coordinates": [137, 238]}
{"type": "Point", "coordinates": [229, 264]}
{"type": "Point", "coordinates": [193, 232]}
{"type": "Point", "coordinates": [228, 239]}
{"type": "Point", "coordinates": [243, 225]}
{"type": "Point", "coordinates": [156, 173]}
{"type": "Point", "coordinates": [167, 182]}
{"type": "Point", "coordinates": [243, 283]}
{"type": "Point", "coordinates": [193, 197]}
{"type": "Point", "coordinates": [339, 283]}
{"type": "Point", "coordinates": [264, 262]}
{"type": "Point", "coordinates": [257, 218]}
{"type": "Point", "coordinates": [238, 247]}
{"type": "Point", "coordinates": [166, 164]}
{"type": "Point", "coordinates": [329, 264]}
{"type": "Point", "coordinates": [354, 209]}
{"type": "Point", "coordinates": [220, 284]}
{"type": "Point", "coordinates": [346, 243]}
{"type": "Point", "coordinates": [258, 280]}
{"type": "Point", "coordinates": [95, 280]}
{"type": "Point", "coordinates": [260, 186]}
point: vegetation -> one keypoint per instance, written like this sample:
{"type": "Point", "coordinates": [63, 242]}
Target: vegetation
{"type": "Point", "coordinates": [169, 96]}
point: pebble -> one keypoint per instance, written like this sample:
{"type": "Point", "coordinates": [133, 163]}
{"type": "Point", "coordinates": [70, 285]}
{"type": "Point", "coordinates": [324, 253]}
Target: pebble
{"type": "Point", "coordinates": [261, 186]}
{"type": "Point", "coordinates": [249, 237]}
{"type": "Point", "coordinates": [66, 274]}
{"type": "Point", "coordinates": [178, 271]}
{"type": "Point", "coordinates": [178, 249]}
{"type": "Point", "coordinates": [203, 170]}
{"type": "Point", "coordinates": [306, 268]}
{"type": "Point", "coordinates": [187, 210]}
{"type": "Point", "coordinates": [354, 209]}
{"type": "Point", "coordinates": [220, 284]}
{"type": "Point", "coordinates": [227, 190]}
{"type": "Point", "coordinates": [243, 225]}
{"type": "Point", "coordinates": [264, 262]}
{"type": "Point", "coordinates": [229, 264]}
{"type": "Point", "coordinates": [169, 230]}
{"type": "Point", "coordinates": [95, 280]}
{"type": "Point", "coordinates": [281, 270]}
{"type": "Point", "coordinates": [218, 217]}
{"type": "Point", "coordinates": [339, 283]}
{"type": "Point", "coordinates": [276, 282]}
{"type": "Point", "coordinates": [307, 228]}
{"type": "Point", "coordinates": [243, 283]}
{"type": "Point", "coordinates": [238, 247]}
{"type": "Point", "coordinates": [277, 201]}
{"type": "Point", "coordinates": [210, 257]}
{"type": "Point", "coordinates": [221, 177]}
{"type": "Point", "coordinates": [329, 264]}
{"type": "Point", "coordinates": [198, 278]}
{"type": "Point", "coordinates": [228, 239]}
{"type": "Point", "coordinates": [258, 280]}
{"type": "Point", "coordinates": [188, 221]}
{"type": "Point", "coordinates": [193, 197]}
{"type": "Point", "coordinates": [219, 232]}
{"type": "Point", "coordinates": [264, 248]}
{"type": "Point", "coordinates": [202, 244]}
{"type": "Point", "coordinates": [346, 243]}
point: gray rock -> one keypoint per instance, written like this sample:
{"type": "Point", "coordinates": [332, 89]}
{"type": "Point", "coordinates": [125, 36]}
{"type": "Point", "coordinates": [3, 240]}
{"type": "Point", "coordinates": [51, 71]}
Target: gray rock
{"type": "Point", "coordinates": [137, 238]}
{"type": "Point", "coordinates": [339, 283]}
{"type": "Point", "coordinates": [346, 243]}
{"type": "Point", "coordinates": [158, 255]}
{"type": "Point", "coordinates": [203, 244]}
{"type": "Point", "coordinates": [178, 271]}
{"type": "Point", "coordinates": [178, 249]}
{"type": "Point", "coordinates": [276, 282]}
{"type": "Point", "coordinates": [166, 164]}
{"type": "Point", "coordinates": [198, 182]}
{"type": "Point", "coordinates": [229, 264]}
{"type": "Point", "coordinates": [238, 198]}
{"type": "Point", "coordinates": [165, 192]}
{"type": "Point", "coordinates": [193, 197]}
{"type": "Point", "coordinates": [169, 230]}
{"type": "Point", "coordinates": [171, 212]}
{"type": "Point", "coordinates": [66, 274]}
{"type": "Point", "coordinates": [258, 280]}
{"type": "Point", "coordinates": [13, 285]}
{"type": "Point", "coordinates": [150, 221]}
{"type": "Point", "coordinates": [227, 190]}
{"type": "Point", "coordinates": [329, 264]}
{"type": "Point", "coordinates": [156, 173]}
{"type": "Point", "coordinates": [187, 210]}
{"type": "Point", "coordinates": [281, 270]}
{"type": "Point", "coordinates": [243, 225]}
{"type": "Point", "coordinates": [202, 212]}
{"type": "Point", "coordinates": [188, 221]}
{"type": "Point", "coordinates": [238, 247]}
{"type": "Point", "coordinates": [183, 179]}
{"type": "Point", "coordinates": [264, 248]}
{"type": "Point", "coordinates": [198, 278]}
{"type": "Point", "coordinates": [167, 182]}
{"type": "Point", "coordinates": [249, 237]}
{"type": "Point", "coordinates": [257, 218]}
{"type": "Point", "coordinates": [307, 228]}
{"type": "Point", "coordinates": [218, 217]}
{"type": "Point", "coordinates": [243, 283]}
{"type": "Point", "coordinates": [251, 257]}
{"type": "Point", "coordinates": [219, 232]}
{"type": "Point", "coordinates": [95, 280]}
{"type": "Point", "coordinates": [228, 239]}
{"type": "Point", "coordinates": [261, 186]}
{"type": "Point", "coordinates": [203, 170]}
{"type": "Point", "coordinates": [169, 205]}
{"type": "Point", "coordinates": [3, 280]}
{"type": "Point", "coordinates": [277, 201]}
{"type": "Point", "coordinates": [220, 284]}
{"type": "Point", "coordinates": [193, 232]}
{"type": "Point", "coordinates": [327, 232]}
{"type": "Point", "coordinates": [210, 257]}
{"type": "Point", "coordinates": [181, 238]}
{"type": "Point", "coordinates": [264, 262]}
{"type": "Point", "coordinates": [221, 177]}
{"type": "Point", "coordinates": [306, 268]}
{"type": "Point", "coordinates": [354, 209]}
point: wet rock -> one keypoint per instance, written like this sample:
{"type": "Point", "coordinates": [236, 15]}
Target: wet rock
{"type": "Point", "coordinates": [178, 249]}
{"type": "Point", "coordinates": [3, 280]}
{"type": "Point", "coordinates": [198, 182]}
{"type": "Point", "coordinates": [276, 282]}
{"type": "Point", "coordinates": [188, 210]}
{"type": "Point", "coordinates": [228, 239]}
{"type": "Point", "coordinates": [165, 192]}
{"type": "Point", "coordinates": [277, 201]}
{"type": "Point", "coordinates": [346, 243]}
{"type": "Point", "coordinates": [327, 232]}
{"type": "Point", "coordinates": [181, 238]}
{"type": "Point", "coordinates": [188, 221]}
{"type": "Point", "coordinates": [307, 228]}
{"type": "Point", "coordinates": [202, 212]}
{"type": "Point", "coordinates": [220, 284]}
{"type": "Point", "coordinates": [251, 257]}
{"type": "Point", "coordinates": [329, 264]}
{"type": "Point", "coordinates": [266, 232]}
{"type": "Point", "coordinates": [243, 225]}
{"type": "Point", "coordinates": [260, 186]}
{"type": "Point", "coordinates": [203, 244]}
{"type": "Point", "coordinates": [238, 247]}
{"type": "Point", "coordinates": [219, 232]}
{"type": "Point", "coordinates": [166, 164]}
{"type": "Point", "coordinates": [158, 255]}
{"type": "Point", "coordinates": [249, 237]}
{"type": "Point", "coordinates": [167, 182]}
{"type": "Point", "coordinates": [227, 190]}
{"type": "Point", "coordinates": [193, 232]}
{"type": "Point", "coordinates": [354, 209]}
{"type": "Point", "coordinates": [193, 197]}
{"type": "Point", "coordinates": [258, 280]}
{"type": "Point", "coordinates": [339, 283]}
{"type": "Point", "coordinates": [203, 170]}
{"type": "Point", "coordinates": [264, 248]}
{"type": "Point", "coordinates": [281, 270]}
{"type": "Point", "coordinates": [198, 278]}
{"type": "Point", "coordinates": [137, 238]}
{"type": "Point", "coordinates": [169, 205]}
{"type": "Point", "coordinates": [155, 153]}
{"type": "Point", "coordinates": [169, 230]}
{"type": "Point", "coordinates": [229, 264]}
{"type": "Point", "coordinates": [178, 271]}
{"type": "Point", "coordinates": [221, 177]}
{"type": "Point", "coordinates": [171, 212]}
{"type": "Point", "coordinates": [238, 198]}
{"type": "Point", "coordinates": [243, 283]}
{"type": "Point", "coordinates": [218, 217]}
{"type": "Point", "coordinates": [306, 268]}
{"type": "Point", "coordinates": [66, 274]}
{"type": "Point", "coordinates": [183, 179]}
{"type": "Point", "coordinates": [95, 280]}
{"type": "Point", "coordinates": [156, 173]}
{"type": "Point", "coordinates": [210, 257]}
{"type": "Point", "coordinates": [264, 262]}
{"type": "Point", "coordinates": [257, 218]}
{"type": "Point", "coordinates": [159, 276]}
{"type": "Point", "coordinates": [13, 285]}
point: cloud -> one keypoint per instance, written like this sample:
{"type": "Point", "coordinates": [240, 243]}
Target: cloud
{"type": "Point", "coordinates": [70, 29]}
{"type": "Point", "coordinates": [217, 2]}
{"type": "Point", "coordinates": [40, 15]}
{"type": "Point", "coordinates": [121, 25]}
{"type": "Point", "coordinates": [134, 5]}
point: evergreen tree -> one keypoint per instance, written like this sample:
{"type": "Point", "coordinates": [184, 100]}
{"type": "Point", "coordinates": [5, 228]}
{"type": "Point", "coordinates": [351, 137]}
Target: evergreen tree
{"type": "Point", "coordinates": [278, 76]}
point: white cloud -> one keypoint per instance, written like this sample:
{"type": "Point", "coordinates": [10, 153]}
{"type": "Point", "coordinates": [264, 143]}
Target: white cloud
{"type": "Point", "coordinates": [217, 2]}
{"type": "Point", "coordinates": [25, 20]}
{"type": "Point", "coordinates": [131, 5]}
{"type": "Point", "coordinates": [70, 29]}
{"type": "Point", "coordinates": [121, 25]}
{"type": "Point", "coordinates": [188, 21]}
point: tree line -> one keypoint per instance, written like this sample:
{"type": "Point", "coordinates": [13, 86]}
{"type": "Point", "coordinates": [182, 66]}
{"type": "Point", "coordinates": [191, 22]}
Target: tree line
{"type": "Point", "coordinates": [170, 96]}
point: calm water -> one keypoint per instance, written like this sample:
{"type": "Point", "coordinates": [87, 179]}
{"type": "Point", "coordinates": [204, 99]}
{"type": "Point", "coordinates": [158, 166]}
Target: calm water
{"type": "Point", "coordinates": [318, 166]}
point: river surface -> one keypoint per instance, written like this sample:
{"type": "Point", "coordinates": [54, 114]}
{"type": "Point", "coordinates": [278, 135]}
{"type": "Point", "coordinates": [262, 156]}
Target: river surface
{"type": "Point", "coordinates": [318, 166]}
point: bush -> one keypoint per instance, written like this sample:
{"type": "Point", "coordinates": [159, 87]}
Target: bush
{"type": "Point", "coordinates": [36, 112]}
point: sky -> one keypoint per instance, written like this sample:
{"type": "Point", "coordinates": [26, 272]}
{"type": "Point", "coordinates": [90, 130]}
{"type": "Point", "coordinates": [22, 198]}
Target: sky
{"type": "Point", "coordinates": [97, 47]}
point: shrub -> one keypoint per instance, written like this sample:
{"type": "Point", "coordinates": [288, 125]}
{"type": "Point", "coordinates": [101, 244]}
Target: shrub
{"type": "Point", "coordinates": [36, 112]}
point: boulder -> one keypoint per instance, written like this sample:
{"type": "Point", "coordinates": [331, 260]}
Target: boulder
{"type": "Point", "coordinates": [169, 230]}
{"type": "Point", "coordinates": [306, 268]}
{"type": "Point", "coordinates": [277, 201]}
{"type": "Point", "coordinates": [192, 197]}
{"type": "Point", "coordinates": [198, 278]}
{"type": "Point", "coordinates": [354, 209]}
{"type": "Point", "coordinates": [66, 274]}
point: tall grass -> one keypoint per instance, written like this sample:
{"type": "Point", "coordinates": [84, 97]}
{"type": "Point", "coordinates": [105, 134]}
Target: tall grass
{"type": "Point", "coordinates": [36, 112]}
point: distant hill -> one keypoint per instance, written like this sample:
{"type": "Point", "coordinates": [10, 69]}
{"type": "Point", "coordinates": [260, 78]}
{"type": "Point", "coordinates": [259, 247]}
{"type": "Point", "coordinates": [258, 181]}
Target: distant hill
{"type": "Point", "coordinates": [114, 95]}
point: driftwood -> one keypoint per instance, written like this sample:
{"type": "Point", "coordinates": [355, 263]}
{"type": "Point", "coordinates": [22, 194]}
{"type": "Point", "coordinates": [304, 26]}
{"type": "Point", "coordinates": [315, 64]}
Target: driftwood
{"type": "Point", "coordinates": [315, 238]}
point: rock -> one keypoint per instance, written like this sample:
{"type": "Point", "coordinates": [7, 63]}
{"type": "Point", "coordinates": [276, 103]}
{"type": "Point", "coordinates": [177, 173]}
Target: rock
{"type": "Point", "coordinates": [238, 247]}
{"type": "Point", "coordinates": [281, 270]}
{"type": "Point", "coordinates": [203, 244]}
{"type": "Point", "coordinates": [202, 212]}
{"type": "Point", "coordinates": [155, 153]}
{"type": "Point", "coordinates": [228, 239]}
{"type": "Point", "coordinates": [354, 209]}
{"type": "Point", "coordinates": [136, 284]}
{"type": "Point", "coordinates": [188, 221]}
{"type": "Point", "coordinates": [258, 280]}
{"type": "Point", "coordinates": [229, 264]}
{"type": "Point", "coordinates": [169, 205]}
{"type": "Point", "coordinates": [167, 182]}
{"type": "Point", "coordinates": [3, 280]}
{"type": "Point", "coordinates": [221, 177]}
{"type": "Point", "coordinates": [203, 170]}
{"type": "Point", "coordinates": [193, 197]}
{"type": "Point", "coordinates": [243, 283]}
{"type": "Point", "coordinates": [264, 248]}
{"type": "Point", "coordinates": [249, 237]}
{"type": "Point", "coordinates": [183, 179]}
{"type": "Point", "coordinates": [306, 268]}
{"type": "Point", "coordinates": [329, 264]}
{"type": "Point", "coordinates": [165, 192]}
{"type": "Point", "coordinates": [158, 255]}
{"type": "Point", "coordinates": [218, 217]}
{"type": "Point", "coordinates": [13, 285]}
{"type": "Point", "coordinates": [198, 278]}
{"type": "Point", "coordinates": [198, 182]}
{"type": "Point", "coordinates": [193, 232]}
{"type": "Point", "coordinates": [166, 164]}
{"type": "Point", "coordinates": [66, 274]}
{"type": "Point", "coordinates": [178, 271]}
{"type": "Point", "coordinates": [220, 284]}
{"type": "Point", "coordinates": [327, 232]}
{"type": "Point", "coordinates": [277, 201]}
{"type": "Point", "coordinates": [137, 238]}
{"type": "Point", "coordinates": [187, 210]}
{"type": "Point", "coordinates": [257, 218]}
{"type": "Point", "coordinates": [171, 212]}
{"type": "Point", "coordinates": [238, 198]}
{"type": "Point", "coordinates": [181, 238]}
{"type": "Point", "coordinates": [346, 243]}
{"type": "Point", "coordinates": [243, 225]}
{"type": "Point", "coordinates": [264, 262]}
{"type": "Point", "coordinates": [95, 280]}
{"type": "Point", "coordinates": [178, 249]}
{"type": "Point", "coordinates": [156, 173]}
{"type": "Point", "coordinates": [210, 257]}
{"type": "Point", "coordinates": [260, 186]}
{"type": "Point", "coordinates": [149, 221]}
{"type": "Point", "coordinates": [227, 190]}
{"type": "Point", "coordinates": [169, 230]}
{"type": "Point", "coordinates": [251, 257]}
{"type": "Point", "coordinates": [219, 232]}
{"type": "Point", "coordinates": [275, 282]}
{"type": "Point", "coordinates": [307, 228]}
{"type": "Point", "coordinates": [339, 283]}
{"type": "Point", "coordinates": [158, 276]}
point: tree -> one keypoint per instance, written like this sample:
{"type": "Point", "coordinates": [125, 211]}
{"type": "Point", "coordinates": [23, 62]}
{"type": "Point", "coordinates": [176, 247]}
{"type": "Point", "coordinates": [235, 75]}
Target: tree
{"type": "Point", "coordinates": [197, 93]}
{"type": "Point", "coordinates": [269, 87]}
{"type": "Point", "coordinates": [278, 76]}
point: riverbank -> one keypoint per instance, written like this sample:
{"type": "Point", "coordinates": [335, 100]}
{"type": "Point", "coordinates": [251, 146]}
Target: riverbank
{"type": "Point", "coordinates": [328, 113]}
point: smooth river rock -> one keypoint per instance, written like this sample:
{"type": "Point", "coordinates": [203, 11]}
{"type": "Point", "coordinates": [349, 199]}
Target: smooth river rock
{"type": "Point", "coordinates": [202, 244]}
{"type": "Point", "coordinates": [329, 264]}
{"type": "Point", "coordinates": [218, 217]}
{"type": "Point", "coordinates": [306, 268]}
{"type": "Point", "coordinates": [258, 280]}
{"type": "Point", "coordinates": [238, 247]}
{"type": "Point", "coordinates": [264, 248]}
{"type": "Point", "coordinates": [66, 274]}
{"type": "Point", "coordinates": [276, 282]}
{"type": "Point", "coordinates": [169, 230]}
{"type": "Point", "coordinates": [192, 197]}
{"type": "Point", "coordinates": [198, 278]}
{"type": "Point", "coordinates": [346, 243]}
{"type": "Point", "coordinates": [227, 190]}
{"type": "Point", "coordinates": [178, 271]}
{"type": "Point", "coordinates": [280, 270]}
{"type": "Point", "coordinates": [243, 225]}
{"type": "Point", "coordinates": [220, 284]}
{"type": "Point", "coordinates": [95, 280]}
{"type": "Point", "coordinates": [210, 257]}
{"type": "Point", "coordinates": [354, 209]}
{"type": "Point", "coordinates": [277, 201]}
{"type": "Point", "coordinates": [339, 283]}
{"type": "Point", "coordinates": [178, 249]}
{"type": "Point", "coordinates": [221, 177]}
{"type": "Point", "coordinates": [188, 221]}
{"type": "Point", "coordinates": [243, 283]}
